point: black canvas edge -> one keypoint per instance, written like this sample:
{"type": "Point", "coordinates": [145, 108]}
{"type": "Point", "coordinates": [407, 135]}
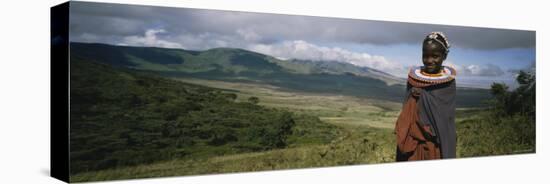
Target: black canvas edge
{"type": "Point", "coordinates": [59, 91]}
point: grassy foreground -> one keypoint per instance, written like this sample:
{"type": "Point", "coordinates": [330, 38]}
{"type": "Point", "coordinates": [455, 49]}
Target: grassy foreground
{"type": "Point", "coordinates": [360, 146]}
{"type": "Point", "coordinates": [362, 129]}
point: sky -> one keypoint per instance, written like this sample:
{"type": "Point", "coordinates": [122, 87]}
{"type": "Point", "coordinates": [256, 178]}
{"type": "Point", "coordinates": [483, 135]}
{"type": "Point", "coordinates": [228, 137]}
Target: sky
{"type": "Point", "coordinates": [480, 55]}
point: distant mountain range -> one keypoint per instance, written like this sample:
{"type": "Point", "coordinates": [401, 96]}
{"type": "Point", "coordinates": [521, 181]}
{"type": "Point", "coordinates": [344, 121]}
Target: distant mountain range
{"type": "Point", "coordinates": [228, 59]}
{"type": "Point", "coordinates": [231, 64]}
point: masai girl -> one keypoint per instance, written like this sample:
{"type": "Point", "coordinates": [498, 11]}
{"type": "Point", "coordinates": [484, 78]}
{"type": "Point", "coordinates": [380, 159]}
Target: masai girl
{"type": "Point", "coordinates": [425, 128]}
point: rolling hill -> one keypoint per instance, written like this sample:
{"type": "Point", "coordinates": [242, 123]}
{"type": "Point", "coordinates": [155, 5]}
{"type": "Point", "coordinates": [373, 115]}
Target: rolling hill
{"type": "Point", "coordinates": [230, 64]}
{"type": "Point", "coordinates": [121, 117]}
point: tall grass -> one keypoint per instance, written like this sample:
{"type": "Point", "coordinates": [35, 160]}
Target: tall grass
{"type": "Point", "coordinates": [489, 136]}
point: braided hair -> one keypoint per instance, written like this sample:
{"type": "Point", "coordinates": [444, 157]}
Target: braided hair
{"type": "Point", "coordinates": [440, 38]}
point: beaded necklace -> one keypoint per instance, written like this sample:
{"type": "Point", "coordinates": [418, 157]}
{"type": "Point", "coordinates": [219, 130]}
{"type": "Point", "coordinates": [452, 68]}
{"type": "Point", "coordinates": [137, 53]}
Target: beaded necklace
{"type": "Point", "coordinates": [419, 78]}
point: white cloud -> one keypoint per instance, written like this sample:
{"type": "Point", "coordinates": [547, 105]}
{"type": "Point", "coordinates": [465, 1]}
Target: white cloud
{"type": "Point", "coordinates": [150, 39]}
{"type": "Point", "coordinates": [248, 35]}
{"type": "Point", "coordinates": [487, 70]}
{"type": "Point", "coordinates": [482, 76]}
{"type": "Point", "coordinates": [300, 49]}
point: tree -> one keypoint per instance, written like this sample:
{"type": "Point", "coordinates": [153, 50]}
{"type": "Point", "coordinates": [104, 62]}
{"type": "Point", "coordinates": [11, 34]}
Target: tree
{"type": "Point", "coordinates": [254, 100]}
{"type": "Point", "coordinates": [230, 96]}
{"type": "Point", "coordinates": [520, 101]}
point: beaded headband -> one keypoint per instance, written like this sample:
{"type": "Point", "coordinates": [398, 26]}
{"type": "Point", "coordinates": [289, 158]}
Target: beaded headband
{"type": "Point", "coordinates": [435, 35]}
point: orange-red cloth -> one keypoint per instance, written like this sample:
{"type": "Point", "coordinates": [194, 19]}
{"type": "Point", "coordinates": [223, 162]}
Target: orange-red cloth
{"type": "Point", "coordinates": [413, 141]}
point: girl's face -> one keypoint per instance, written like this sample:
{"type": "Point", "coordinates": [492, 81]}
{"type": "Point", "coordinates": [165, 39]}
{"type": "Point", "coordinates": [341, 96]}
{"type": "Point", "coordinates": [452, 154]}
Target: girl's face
{"type": "Point", "coordinates": [433, 55]}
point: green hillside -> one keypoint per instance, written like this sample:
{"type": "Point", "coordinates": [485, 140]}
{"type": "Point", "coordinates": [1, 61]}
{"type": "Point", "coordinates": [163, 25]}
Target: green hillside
{"type": "Point", "coordinates": [120, 117]}
{"type": "Point", "coordinates": [238, 65]}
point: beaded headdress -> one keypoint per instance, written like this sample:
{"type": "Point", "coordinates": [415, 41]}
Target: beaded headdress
{"type": "Point", "coordinates": [433, 37]}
